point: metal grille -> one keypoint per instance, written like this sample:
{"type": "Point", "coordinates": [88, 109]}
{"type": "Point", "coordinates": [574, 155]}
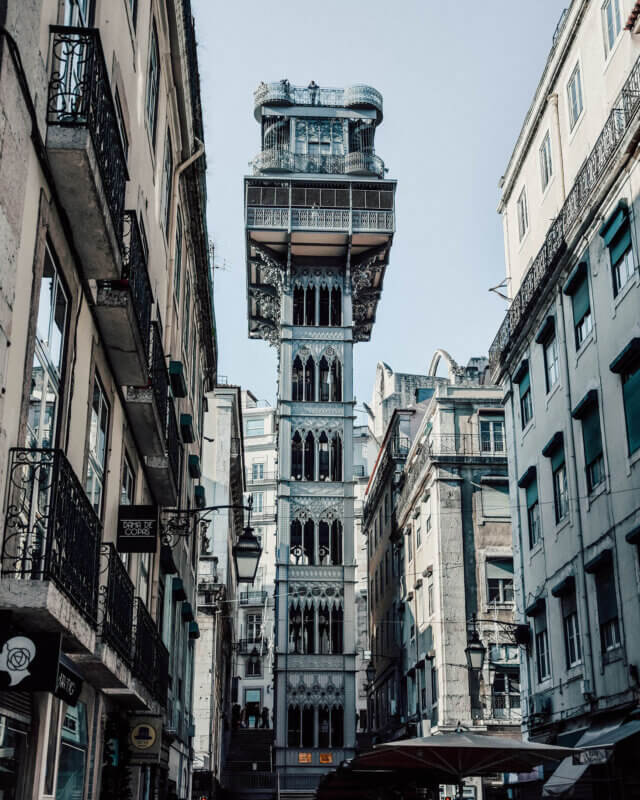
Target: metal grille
{"type": "Point", "coordinates": [159, 376]}
{"type": "Point", "coordinates": [134, 271]}
{"type": "Point", "coordinates": [116, 598]}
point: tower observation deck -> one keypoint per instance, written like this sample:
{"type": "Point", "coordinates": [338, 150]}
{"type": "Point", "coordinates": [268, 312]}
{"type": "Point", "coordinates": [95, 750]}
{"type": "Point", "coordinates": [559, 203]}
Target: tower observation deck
{"type": "Point", "coordinates": [319, 218]}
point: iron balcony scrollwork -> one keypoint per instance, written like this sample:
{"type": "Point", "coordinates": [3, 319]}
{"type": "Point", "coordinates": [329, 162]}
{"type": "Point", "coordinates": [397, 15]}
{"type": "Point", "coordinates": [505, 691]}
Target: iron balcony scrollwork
{"type": "Point", "coordinates": [151, 659]}
{"type": "Point", "coordinates": [590, 175]}
{"type": "Point", "coordinates": [135, 272]}
{"type": "Point", "coordinates": [280, 159]}
{"type": "Point", "coordinates": [159, 376]}
{"type": "Point", "coordinates": [117, 604]}
{"type": "Point", "coordinates": [51, 530]}
{"type": "Point", "coordinates": [80, 96]}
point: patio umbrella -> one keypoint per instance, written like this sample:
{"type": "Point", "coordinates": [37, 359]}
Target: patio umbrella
{"type": "Point", "coordinates": [451, 757]}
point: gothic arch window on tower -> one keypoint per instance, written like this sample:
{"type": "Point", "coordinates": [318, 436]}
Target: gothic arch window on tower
{"type": "Point", "coordinates": [297, 380]}
{"type": "Point", "coordinates": [296, 457]}
{"type": "Point", "coordinates": [323, 457]}
{"type": "Point", "coordinates": [298, 305]}
{"type": "Point", "coordinates": [323, 317]}
{"type": "Point", "coordinates": [302, 629]}
{"type": "Point", "coordinates": [317, 301]}
{"type": "Point", "coordinates": [336, 457]}
{"type": "Point", "coordinates": [311, 543]}
{"type": "Point", "coordinates": [322, 450]}
{"type": "Point", "coordinates": [310, 380]}
{"type": "Point", "coordinates": [309, 457]}
{"type": "Point", "coordinates": [336, 381]}
{"type": "Point", "coordinates": [336, 306]}
{"type": "Point", "coordinates": [301, 723]}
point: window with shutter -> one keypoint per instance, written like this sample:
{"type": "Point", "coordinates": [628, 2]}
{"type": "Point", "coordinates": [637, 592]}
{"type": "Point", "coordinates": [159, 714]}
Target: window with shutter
{"type": "Point", "coordinates": [616, 233]}
{"type": "Point", "coordinates": [607, 606]}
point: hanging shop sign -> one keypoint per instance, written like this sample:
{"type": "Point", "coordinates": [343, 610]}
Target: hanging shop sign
{"type": "Point", "coordinates": [145, 738]}
{"type": "Point", "coordinates": [137, 529]}
{"type": "Point", "coordinates": [33, 662]}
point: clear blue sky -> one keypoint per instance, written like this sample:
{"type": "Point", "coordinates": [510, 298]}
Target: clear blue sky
{"type": "Point", "coordinates": [457, 78]}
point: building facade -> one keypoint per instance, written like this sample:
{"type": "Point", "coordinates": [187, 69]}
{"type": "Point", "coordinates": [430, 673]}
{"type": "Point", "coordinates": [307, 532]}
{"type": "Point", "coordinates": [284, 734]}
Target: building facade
{"type": "Point", "coordinates": [108, 345]}
{"type": "Point", "coordinates": [568, 359]}
{"type": "Point", "coordinates": [255, 606]}
{"type": "Point", "coordinates": [320, 221]}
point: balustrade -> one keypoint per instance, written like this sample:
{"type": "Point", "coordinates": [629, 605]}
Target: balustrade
{"type": "Point", "coordinates": [151, 658]}
{"type": "Point", "coordinates": [135, 272]}
{"type": "Point", "coordinates": [117, 601]}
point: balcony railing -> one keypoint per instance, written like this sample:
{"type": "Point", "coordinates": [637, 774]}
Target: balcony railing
{"type": "Point", "coordinates": [320, 219]}
{"type": "Point", "coordinates": [253, 598]}
{"type": "Point", "coordinates": [281, 160]}
{"type": "Point", "coordinates": [80, 96]}
{"type": "Point", "coordinates": [135, 272]}
{"type": "Point", "coordinates": [51, 530]}
{"type": "Point", "coordinates": [266, 477]}
{"type": "Point", "coordinates": [283, 93]}
{"type": "Point", "coordinates": [117, 602]}
{"type": "Point", "coordinates": [151, 659]}
{"type": "Point", "coordinates": [247, 646]}
{"type": "Point", "coordinates": [159, 376]}
{"type": "Point", "coordinates": [595, 167]}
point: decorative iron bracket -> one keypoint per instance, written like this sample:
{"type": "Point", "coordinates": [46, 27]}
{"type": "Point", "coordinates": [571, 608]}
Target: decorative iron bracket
{"type": "Point", "coordinates": [178, 523]}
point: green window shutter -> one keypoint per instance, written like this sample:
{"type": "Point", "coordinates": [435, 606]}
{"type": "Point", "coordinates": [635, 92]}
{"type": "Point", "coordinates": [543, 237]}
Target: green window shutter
{"type": "Point", "coordinates": [620, 244]}
{"type": "Point", "coordinates": [580, 300]}
{"type": "Point", "coordinates": [524, 383]}
{"type": "Point", "coordinates": [500, 568]}
{"type": "Point", "coordinates": [616, 222]}
{"type": "Point", "coordinates": [631, 399]}
{"type": "Point", "coordinates": [557, 458]}
{"type": "Point", "coordinates": [532, 493]}
{"type": "Point", "coordinates": [591, 435]}
{"type": "Point", "coordinates": [606, 594]}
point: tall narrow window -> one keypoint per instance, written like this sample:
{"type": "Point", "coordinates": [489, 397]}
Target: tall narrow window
{"type": "Point", "coordinates": [310, 380]}
{"type": "Point", "coordinates": [588, 412]}
{"type": "Point", "coordinates": [492, 436]}
{"type": "Point", "coordinates": [611, 24]}
{"type": "Point", "coordinates": [500, 580]}
{"type": "Point", "coordinates": [167, 178]}
{"type": "Point", "coordinates": [336, 457]}
{"type": "Point", "coordinates": [546, 166]}
{"type": "Point", "coordinates": [573, 647]}
{"type": "Point", "coordinates": [295, 542]}
{"type": "Point", "coordinates": [177, 264]}
{"type": "Point", "coordinates": [577, 287]}
{"type": "Point", "coordinates": [337, 726]}
{"type": "Point", "coordinates": [133, 8]}
{"type": "Point", "coordinates": [297, 381]}
{"type": "Point", "coordinates": [523, 214]}
{"type": "Point", "coordinates": [337, 621]}
{"type": "Point", "coordinates": [323, 457]}
{"type": "Point", "coordinates": [128, 487]}
{"type": "Point", "coordinates": [336, 306]}
{"type": "Point", "coordinates": [542, 645]}
{"type": "Point", "coordinates": [560, 490]}
{"type": "Point", "coordinates": [298, 305]}
{"type": "Point", "coordinates": [310, 306]}
{"type": "Point", "coordinates": [296, 457]}
{"type": "Point", "coordinates": [97, 449]}
{"type": "Point", "coordinates": [336, 381]}
{"type": "Point", "coordinates": [324, 306]}
{"type": "Point", "coordinates": [153, 83]}
{"type": "Point", "coordinates": [293, 726]}
{"type": "Point", "coordinates": [309, 457]}
{"type": "Point", "coordinates": [124, 139]}
{"type": "Point", "coordinates": [616, 232]}
{"type": "Point", "coordinates": [324, 380]}
{"type": "Point", "coordinates": [336, 542]}
{"type": "Point", "coordinates": [608, 618]}
{"type": "Point", "coordinates": [48, 357]}
{"type": "Point", "coordinates": [533, 513]}
{"type": "Point", "coordinates": [574, 96]}
{"type": "Point", "coordinates": [324, 544]}
{"type": "Point", "coordinates": [523, 379]}
{"type": "Point", "coordinates": [74, 742]}
{"type": "Point", "coordinates": [627, 365]}
{"type": "Point", "coordinates": [186, 320]}
{"type": "Point", "coordinates": [546, 337]}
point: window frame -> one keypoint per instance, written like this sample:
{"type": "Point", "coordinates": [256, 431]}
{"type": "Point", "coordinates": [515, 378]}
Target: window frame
{"type": "Point", "coordinates": [576, 72]}
{"type": "Point", "coordinates": [522, 213]}
{"type": "Point", "coordinates": [551, 367]}
{"type": "Point", "coordinates": [248, 428]}
{"type": "Point", "coordinates": [97, 466]}
{"type": "Point", "coordinates": [546, 161]}
{"type": "Point", "coordinates": [167, 181]}
{"type": "Point", "coordinates": [610, 36]}
{"type": "Point", "coordinates": [560, 492]}
{"type": "Point", "coordinates": [152, 94]}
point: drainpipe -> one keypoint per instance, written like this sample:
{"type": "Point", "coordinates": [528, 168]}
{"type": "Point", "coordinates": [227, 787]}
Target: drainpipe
{"type": "Point", "coordinates": [173, 217]}
{"type": "Point", "coordinates": [588, 654]}
{"type": "Point", "coordinates": [553, 102]}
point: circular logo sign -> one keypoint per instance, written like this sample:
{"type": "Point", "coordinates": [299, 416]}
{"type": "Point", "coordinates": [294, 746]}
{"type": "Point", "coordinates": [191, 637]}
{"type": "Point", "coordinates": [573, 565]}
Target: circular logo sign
{"type": "Point", "coordinates": [143, 736]}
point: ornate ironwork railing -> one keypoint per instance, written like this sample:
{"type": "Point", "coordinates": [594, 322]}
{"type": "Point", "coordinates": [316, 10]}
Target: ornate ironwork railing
{"type": "Point", "coordinates": [373, 221]}
{"type": "Point", "coordinates": [247, 646]}
{"type": "Point", "coordinates": [173, 444]}
{"type": "Point", "coordinates": [595, 167]}
{"type": "Point", "coordinates": [135, 272]}
{"type": "Point", "coordinates": [282, 92]}
{"type": "Point", "coordinates": [320, 219]}
{"type": "Point", "coordinates": [151, 658]}
{"type": "Point", "coordinates": [159, 376]}
{"type": "Point", "coordinates": [282, 160]}
{"type": "Point", "coordinates": [116, 600]}
{"type": "Point", "coordinates": [51, 531]}
{"type": "Point", "coordinates": [80, 96]}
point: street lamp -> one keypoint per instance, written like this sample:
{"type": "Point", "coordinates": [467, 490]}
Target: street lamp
{"type": "Point", "coordinates": [475, 652]}
{"type": "Point", "coordinates": [246, 555]}
{"type": "Point", "coordinates": [370, 672]}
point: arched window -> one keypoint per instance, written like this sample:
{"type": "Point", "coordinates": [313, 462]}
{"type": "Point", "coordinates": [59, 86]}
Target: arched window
{"type": "Point", "coordinates": [295, 542]}
{"type": "Point", "coordinates": [309, 457]}
{"type": "Point", "coordinates": [296, 457]}
{"type": "Point", "coordinates": [336, 542]}
{"type": "Point", "coordinates": [324, 730]}
{"type": "Point", "coordinates": [337, 618]}
{"type": "Point", "coordinates": [308, 714]}
{"type": "Point", "coordinates": [295, 630]}
{"type": "Point", "coordinates": [297, 380]}
{"type": "Point", "coordinates": [308, 631]}
{"type": "Point", "coordinates": [310, 306]}
{"type": "Point", "coordinates": [324, 306]}
{"type": "Point", "coordinates": [324, 380]}
{"type": "Point", "coordinates": [298, 305]}
{"type": "Point", "coordinates": [293, 726]}
{"type": "Point", "coordinates": [324, 630]}
{"type": "Point", "coordinates": [336, 457]}
{"type": "Point", "coordinates": [337, 726]}
{"type": "Point", "coordinates": [310, 380]}
{"type": "Point", "coordinates": [336, 381]}
{"type": "Point", "coordinates": [308, 542]}
{"type": "Point", "coordinates": [336, 306]}
{"type": "Point", "coordinates": [324, 545]}
{"type": "Point", "coordinates": [323, 457]}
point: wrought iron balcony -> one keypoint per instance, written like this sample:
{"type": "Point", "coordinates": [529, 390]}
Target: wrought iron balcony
{"type": "Point", "coordinates": [282, 93]}
{"type": "Point", "coordinates": [123, 309]}
{"type": "Point", "coordinates": [608, 146]}
{"type": "Point", "coordinates": [51, 531]}
{"type": "Point", "coordinates": [151, 658]}
{"type": "Point", "coordinates": [282, 160]}
{"type": "Point", "coordinates": [257, 597]}
{"type": "Point", "coordinates": [320, 219]}
{"type": "Point", "coordinates": [247, 646]}
{"type": "Point", "coordinates": [117, 604]}
{"type": "Point", "coordinates": [85, 148]}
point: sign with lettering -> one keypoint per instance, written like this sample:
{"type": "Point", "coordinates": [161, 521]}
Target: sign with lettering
{"type": "Point", "coordinates": [68, 682]}
{"type": "Point", "coordinates": [304, 758]}
{"type": "Point", "coordinates": [145, 738]}
{"type": "Point", "coordinates": [137, 529]}
{"type": "Point", "coordinates": [592, 755]}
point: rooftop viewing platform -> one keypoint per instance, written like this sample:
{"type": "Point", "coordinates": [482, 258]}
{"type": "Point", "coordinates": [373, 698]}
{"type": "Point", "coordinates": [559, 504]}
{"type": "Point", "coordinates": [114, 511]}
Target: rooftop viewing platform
{"type": "Point", "coordinates": [283, 93]}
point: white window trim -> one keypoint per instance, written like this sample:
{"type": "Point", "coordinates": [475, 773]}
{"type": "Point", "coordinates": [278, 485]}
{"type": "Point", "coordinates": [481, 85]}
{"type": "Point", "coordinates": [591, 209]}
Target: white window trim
{"type": "Point", "coordinates": [576, 69]}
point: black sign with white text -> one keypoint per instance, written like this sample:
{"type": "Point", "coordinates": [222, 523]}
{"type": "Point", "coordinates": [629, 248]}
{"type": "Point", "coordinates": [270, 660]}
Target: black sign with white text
{"type": "Point", "coordinates": [137, 529]}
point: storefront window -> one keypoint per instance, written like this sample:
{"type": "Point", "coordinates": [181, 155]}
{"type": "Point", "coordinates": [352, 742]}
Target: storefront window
{"type": "Point", "coordinates": [73, 754]}
{"type": "Point", "coordinates": [12, 753]}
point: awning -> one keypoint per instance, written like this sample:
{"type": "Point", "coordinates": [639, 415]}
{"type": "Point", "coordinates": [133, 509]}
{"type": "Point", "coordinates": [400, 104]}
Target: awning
{"type": "Point", "coordinates": [603, 736]}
